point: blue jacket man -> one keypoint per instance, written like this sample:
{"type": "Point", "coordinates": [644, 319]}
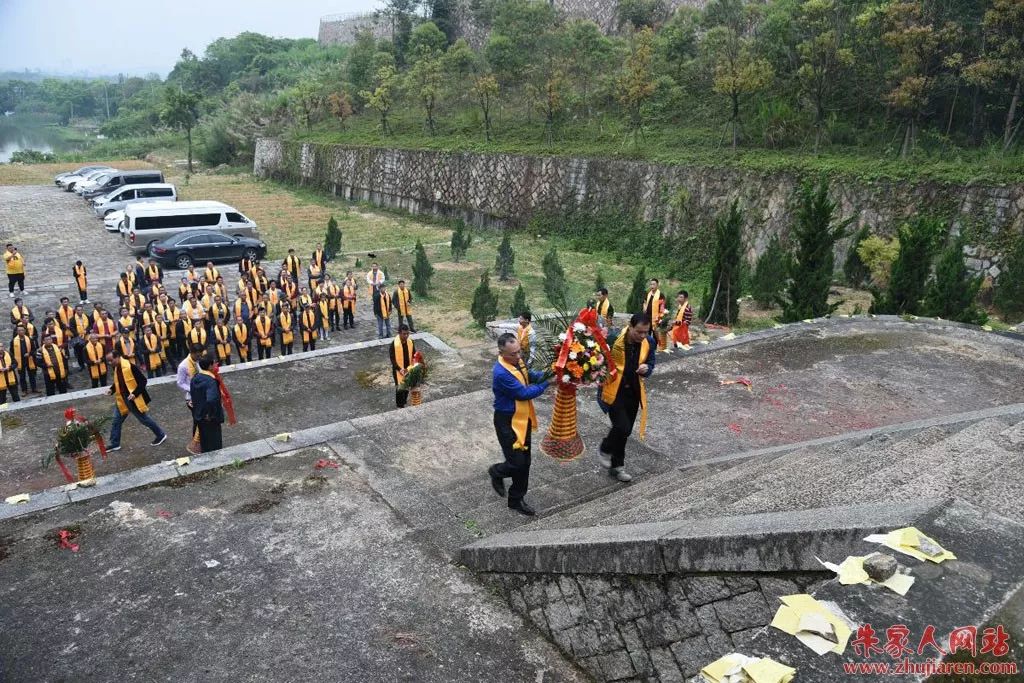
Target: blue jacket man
{"type": "Point", "coordinates": [207, 409]}
{"type": "Point", "coordinates": [514, 388]}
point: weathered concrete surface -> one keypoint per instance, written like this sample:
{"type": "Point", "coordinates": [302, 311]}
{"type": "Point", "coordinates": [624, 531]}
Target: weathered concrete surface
{"type": "Point", "coordinates": [314, 578]}
{"type": "Point", "coordinates": [268, 400]}
{"type": "Point", "coordinates": [821, 381]}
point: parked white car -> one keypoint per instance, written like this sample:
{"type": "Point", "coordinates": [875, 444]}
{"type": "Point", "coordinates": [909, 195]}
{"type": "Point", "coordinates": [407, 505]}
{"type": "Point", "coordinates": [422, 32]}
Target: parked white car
{"type": "Point", "coordinates": [78, 172]}
{"type": "Point", "coordinates": [94, 180]}
{"type": "Point", "coordinates": [71, 182]}
{"type": "Point", "coordinates": [113, 221]}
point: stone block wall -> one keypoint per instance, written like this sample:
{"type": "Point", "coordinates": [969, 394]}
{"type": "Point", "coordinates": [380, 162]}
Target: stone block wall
{"type": "Point", "coordinates": [342, 29]}
{"type": "Point", "coordinates": [505, 190]}
{"type": "Point", "coordinates": [649, 628]}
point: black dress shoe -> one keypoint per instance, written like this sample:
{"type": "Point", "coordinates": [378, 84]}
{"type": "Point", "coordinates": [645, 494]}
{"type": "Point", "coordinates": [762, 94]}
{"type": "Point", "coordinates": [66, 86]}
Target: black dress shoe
{"type": "Point", "coordinates": [523, 508]}
{"type": "Point", "coordinates": [498, 483]}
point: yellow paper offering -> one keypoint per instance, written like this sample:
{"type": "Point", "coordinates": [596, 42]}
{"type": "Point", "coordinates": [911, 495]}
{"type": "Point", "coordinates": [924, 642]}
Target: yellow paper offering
{"type": "Point", "coordinates": [14, 500]}
{"type": "Point", "coordinates": [812, 623]}
{"type": "Point", "coordinates": [769, 671]}
{"type": "Point", "coordinates": [910, 541]}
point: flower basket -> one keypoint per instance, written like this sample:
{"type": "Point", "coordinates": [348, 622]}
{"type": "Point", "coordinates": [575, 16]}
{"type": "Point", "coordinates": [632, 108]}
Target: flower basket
{"type": "Point", "coordinates": [583, 359]}
{"type": "Point", "coordinates": [74, 440]}
{"type": "Point", "coordinates": [414, 379]}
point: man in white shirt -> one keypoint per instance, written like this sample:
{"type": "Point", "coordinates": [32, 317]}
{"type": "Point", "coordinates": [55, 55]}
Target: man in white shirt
{"type": "Point", "coordinates": [374, 277]}
{"type": "Point", "coordinates": [187, 369]}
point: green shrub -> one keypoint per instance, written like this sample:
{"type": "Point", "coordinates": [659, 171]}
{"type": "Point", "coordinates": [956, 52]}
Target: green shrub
{"type": "Point", "coordinates": [1009, 289]}
{"type": "Point", "coordinates": [919, 241]}
{"type": "Point", "coordinates": [332, 240]}
{"type": "Point", "coordinates": [485, 301]}
{"type": "Point", "coordinates": [770, 274]}
{"type": "Point", "coordinates": [519, 304]}
{"type": "Point", "coordinates": [855, 271]}
{"type": "Point", "coordinates": [811, 269]}
{"type": "Point", "coordinates": [726, 270]}
{"type": "Point", "coordinates": [953, 291]}
{"type": "Point", "coordinates": [878, 254]}
{"type": "Point", "coordinates": [422, 271]}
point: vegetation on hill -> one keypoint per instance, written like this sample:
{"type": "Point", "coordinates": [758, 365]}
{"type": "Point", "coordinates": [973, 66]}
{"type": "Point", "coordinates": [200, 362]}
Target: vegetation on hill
{"type": "Point", "coordinates": [929, 88]}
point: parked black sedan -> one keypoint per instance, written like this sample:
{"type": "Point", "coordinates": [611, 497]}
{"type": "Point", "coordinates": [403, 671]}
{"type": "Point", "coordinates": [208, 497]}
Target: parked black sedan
{"type": "Point", "coordinates": [199, 246]}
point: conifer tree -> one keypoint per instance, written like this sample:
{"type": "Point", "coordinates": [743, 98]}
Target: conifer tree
{"type": "Point", "coordinates": [505, 261]}
{"type": "Point", "coordinates": [555, 287]}
{"type": "Point", "coordinates": [726, 269]}
{"type": "Point", "coordinates": [1009, 295]}
{"type": "Point", "coordinates": [422, 271]}
{"type": "Point", "coordinates": [519, 302]}
{"type": "Point", "coordinates": [332, 240]}
{"type": "Point", "coordinates": [770, 274]}
{"type": "Point", "coordinates": [855, 270]}
{"type": "Point", "coordinates": [599, 281]}
{"type": "Point", "coordinates": [462, 238]}
{"type": "Point", "coordinates": [635, 302]}
{"type": "Point", "coordinates": [953, 291]}
{"type": "Point", "coordinates": [907, 283]}
{"type": "Point", "coordinates": [485, 301]}
{"type": "Point", "coordinates": [811, 269]}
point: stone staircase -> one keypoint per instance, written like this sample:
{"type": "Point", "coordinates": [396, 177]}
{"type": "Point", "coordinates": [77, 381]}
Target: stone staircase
{"type": "Point", "coordinates": [980, 461]}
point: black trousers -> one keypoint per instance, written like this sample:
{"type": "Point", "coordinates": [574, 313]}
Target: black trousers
{"type": "Point", "coordinates": [101, 382]}
{"type": "Point", "coordinates": [210, 438]}
{"type": "Point", "coordinates": [264, 351]}
{"type": "Point", "coordinates": [243, 352]}
{"type": "Point", "coordinates": [158, 371]}
{"type": "Point", "coordinates": [310, 345]}
{"type": "Point", "coordinates": [16, 280]}
{"type": "Point", "coordinates": [286, 349]}
{"type": "Point", "coordinates": [14, 394]}
{"type": "Point", "coordinates": [348, 318]}
{"type": "Point", "coordinates": [517, 462]}
{"type": "Point", "coordinates": [407, 319]}
{"type": "Point", "coordinates": [83, 295]}
{"type": "Point", "coordinates": [622, 415]}
{"type": "Point", "coordinates": [334, 319]}
{"type": "Point", "coordinates": [401, 397]}
{"type": "Point", "coordinates": [28, 379]}
{"type": "Point", "coordinates": [79, 350]}
{"type": "Point", "coordinates": [55, 386]}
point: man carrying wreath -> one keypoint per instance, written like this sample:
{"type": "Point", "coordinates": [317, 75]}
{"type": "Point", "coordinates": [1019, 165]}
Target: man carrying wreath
{"type": "Point", "coordinates": [622, 394]}
{"type": "Point", "coordinates": [514, 388]}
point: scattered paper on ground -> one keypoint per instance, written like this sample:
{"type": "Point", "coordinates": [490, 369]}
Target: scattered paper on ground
{"type": "Point", "coordinates": [181, 462]}
{"type": "Point", "coordinates": [210, 564]}
{"type": "Point", "coordinates": [812, 623]}
{"type": "Point", "coordinates": [851, 571]}
{"type": "Point", "coordinates": [776, 326]}
{"type": "Point", "coordinates": [987, 328]}
{"type": "Point", "coordinates": [19, 498]}
{"type": "Point", "coordinates": [738, 668]}
{"type": "Point", "coordinates": [910, 541]}
{"type": "Point", "coordinates": [727, 337]}
{"type": "Point", "coordinates": [283, 437]}
{"type": "Point", "coordinates": [739, 380]}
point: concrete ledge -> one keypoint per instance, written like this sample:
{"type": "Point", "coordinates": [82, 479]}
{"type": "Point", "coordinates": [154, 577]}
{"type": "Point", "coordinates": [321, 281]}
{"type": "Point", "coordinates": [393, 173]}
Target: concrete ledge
{"type": "Point", "coordinates": [430, 339]}
{"type": "Point", "coordinates": [773, 542]}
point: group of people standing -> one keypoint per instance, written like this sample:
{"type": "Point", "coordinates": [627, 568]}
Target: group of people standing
{"type": "Point", "coordinates": [622, 396]}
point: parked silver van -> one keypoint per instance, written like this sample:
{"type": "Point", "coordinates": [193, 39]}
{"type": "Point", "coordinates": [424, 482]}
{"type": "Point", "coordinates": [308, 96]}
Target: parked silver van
{"type": "Point", "coordinates": [133, 194]}
{"type": "Point", "coordinates": [117, 179]}
{"type": "Point", "coordinates": [147, 223]}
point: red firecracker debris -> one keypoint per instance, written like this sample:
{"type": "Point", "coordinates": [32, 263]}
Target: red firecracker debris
{"type": "Point", "coordinates": [164, 513]}
{"type": "Point", "coordinates": [64, 540]}
{"type": "Point", "coordinates": [323, 463]}
{"type": "Point", "coordinates": [735, 428]}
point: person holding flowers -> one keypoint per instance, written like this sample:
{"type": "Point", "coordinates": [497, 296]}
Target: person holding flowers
{"type": "Point", "coordinates": [622, 394]}
{"type": "Point", "coordinates": [515, 418]}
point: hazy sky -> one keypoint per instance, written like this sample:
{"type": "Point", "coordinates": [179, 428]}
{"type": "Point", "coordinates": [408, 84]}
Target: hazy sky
{"type": "Point", "coordinates": [140, 37]}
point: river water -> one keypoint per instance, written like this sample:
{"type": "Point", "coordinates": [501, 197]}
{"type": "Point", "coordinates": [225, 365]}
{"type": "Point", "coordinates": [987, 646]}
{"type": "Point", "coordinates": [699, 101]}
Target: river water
{"type": "Point", "coordinates": [15, 136]}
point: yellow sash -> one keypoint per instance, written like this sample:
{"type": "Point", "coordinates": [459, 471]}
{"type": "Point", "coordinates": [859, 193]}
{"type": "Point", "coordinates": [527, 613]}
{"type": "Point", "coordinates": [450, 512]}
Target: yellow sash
{"type": "Point", "coordinates": [403, 302]}
{"type": "Point", "coordinates": [19, 314]}
{"type": "Point", "coordinates": [385, 304]}
{"type": "Point", "coordinates": [127, 345]}
{"type": "Point", "coordinates": [153, 272]}
{"type": "Point", "coordinates": [123, 373]}
{"type": "Point", "coordinates": [308, 325]}
{"type": "Point", "coordinates": [656, 308]}
{"type": "Point", "coordinates": [285, 320]}
{"type": "Point", "coordinates": [80, 277]}
{"type": "Point", "coordinates": [155, 349]}
{"type": "Point", "coordinates": [602, 308]}
{"type": "Point", "coordinates": [53, 359]}
{"type": "Point", "coordinates": [24, 352]}
{"type": "Point", "coordinates": [241, 333]}
{"type": "Point", "coordinates": [82, 324]}
{"type": "Point", "coordinates": [291, 264]}
{"type": "Point", "coordinates": [65, 314]}
{"type": "Point", "coordinates": [197, 335]}
{"type": "Point", "coordinates": [348, 295]}
{"type": "Point", "coordinates": [524, 339]}
{"type": "Point", "coordinates": [525, 416]}
{"type": "Point", "coordinates": [403, 357]}
{"type": "Point", "coordinates": [611, 385]}
{"type": "Point", "coordinates": [8, 378]}
{"type": "Point", "coordinates": [223, 337]}
{"type": "Point", "coordinates": [263, 328]}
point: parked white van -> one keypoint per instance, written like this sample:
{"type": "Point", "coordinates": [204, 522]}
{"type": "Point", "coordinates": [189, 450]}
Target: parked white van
{"type": "Point", "coordinates": [147, 222]}
{"type": "Point", "coordinates": [133, 194]}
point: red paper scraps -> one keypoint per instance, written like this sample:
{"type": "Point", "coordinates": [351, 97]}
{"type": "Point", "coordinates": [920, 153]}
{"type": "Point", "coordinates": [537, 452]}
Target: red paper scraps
{"type": "Point", "coordinates": [164, 513]}
{"type": "Point", "coordinates": [323, 463]}
{"type": "Point", "coordinates": [64, 540]}
{"type": "Point", "coordinates": [739, 380]}
{"type": "Point", "coordinates": [735, 428]}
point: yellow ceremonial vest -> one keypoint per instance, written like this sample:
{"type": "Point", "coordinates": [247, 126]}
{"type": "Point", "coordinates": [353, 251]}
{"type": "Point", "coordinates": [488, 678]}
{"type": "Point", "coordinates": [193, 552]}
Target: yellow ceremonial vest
{"type": "Point", "coordinates": [525, 416]}
{"type": "Point", "coordinates": [155, 351]}
{"type": "Point", "coordinates": [65, 315]}
{"type": "Point", "coordinates": [318, 258]}
{"type": "Point", "coordinates": [403, 357]}
{"type": "Point", "coordinates": [124, 384]}
{"type": "Point", "coordinates": [81, 279]}
{"type": "Point", "coordinates": [197, 335]}
{"type": "Point", "coordinates": [314, 271]}
{"type": "Point", "coordinates": [124, 288]}
{"type": "Point", "coordinates": [82, 324]}
{"type": "Point", "coordinates": [241, 333]}
{"type": "Point", "coordinates": [160, 330]}
{"type": "Point", "coordinates": [9, 378]}
{"type": "Point", "coordinates": [222, 335]}
{"type": "Point", "coordinates": [19, 314]}
{"type": "Point", "coordinates": [348, 295]}
{"type": "Point", "coordinates": [153, 273]}
{"type": "Point", "coordinates": [403, 302]}
{"type": "Point", "coordinates": [53, 360]}
{"type": "Point", "coordinates": [602, 310]}
{"type": "Point", "coordinates": [24, 352]}
{"type": "Point", "coordinates": [308, 326]}
{"type": "Point", "coordinates": [332, 291]}
{"type": "Point", "coordinates": [385, 305]}
{"type": "Point", "coordinates": [285, 321]}
{"type": "Point", "coordinates": [264, 327]}
{"type": "Point", "coordinates": [657, 308]}
{"type": "Point", "coordinates": [211, 274]}
{"type": "Point", "coordinates": [611, 385]}
{"type": "Point", "coordinates": [292, 264]}
{"type": "Point", "coordinates": [127, 346]}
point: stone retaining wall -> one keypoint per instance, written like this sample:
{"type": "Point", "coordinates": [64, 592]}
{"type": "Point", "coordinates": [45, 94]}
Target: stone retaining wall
{"type": "Point", "coordinates": [661, 628]}
{"type": "Point", "coordinates": [506, 190]}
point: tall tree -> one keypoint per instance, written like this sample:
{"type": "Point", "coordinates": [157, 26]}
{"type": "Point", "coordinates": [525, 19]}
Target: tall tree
{"type": "Point", "coordinates": [422, 271]}
{"type": "Point", "coordinates": [770, 274]}
{"type": "Point", "coordinates": [636, 83]}
{"type": "Point", "coordinates": [635, 301]}
{"type": "Point", "coordinates": [590, 52]}
{"type": "Point", "coordinates": [485, 301]}
{"type": "Point", "coordinates": [505, 260]}
{"type": "Point", "coordinates": [462, 239]}
{"type": "Point", "coordinates": [1009, 294]}
{"type": "Point", "coordinates": [737, 71]}
{"type": "Point", "coordinates": [953, 291]}
{"type": "Point", "coordinates": [485, 89]}
{"type": "Point", "coordinates": [519, 304]}
{"type": "Point", "coordinates": [555, 286]}
{"type": "Point", "coordinates": [810, 272]}
{"type": "Point", "coordinates": [919, 241]}
{"type": "Point", "coordinates": [181, 111]}
{"type": "Point", "coordinates": [425, 76]}
{"type": "Point", "coordinates": [382, 98]}
{"type": "Point", "coordinates": [1003, 60]}
{"type": "Point", "coordinates": [332, 240]}
{"type": "Point", "coordinates": [825, 55]}
{"type": "Point", "coordinates": [726, 269]}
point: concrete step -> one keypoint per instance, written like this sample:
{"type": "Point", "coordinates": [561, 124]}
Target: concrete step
{"type": "Point", "coordinates": [810, 482]}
